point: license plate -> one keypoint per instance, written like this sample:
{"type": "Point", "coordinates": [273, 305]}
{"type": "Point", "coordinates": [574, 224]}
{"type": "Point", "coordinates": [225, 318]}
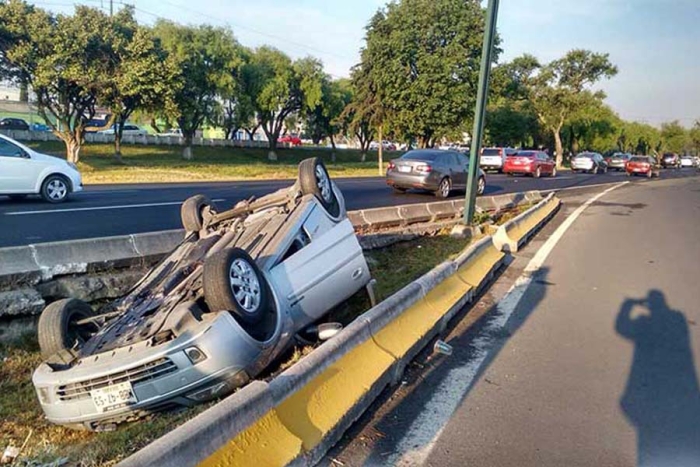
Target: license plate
{"type": "Point", "coordinates": [637, 170]}
{"type": "Point", "coordinates": [518, 162]}
{"type": "Point", "coordinates": [113, 397]}
{"type": "Point", "coordinates": [404, 168]}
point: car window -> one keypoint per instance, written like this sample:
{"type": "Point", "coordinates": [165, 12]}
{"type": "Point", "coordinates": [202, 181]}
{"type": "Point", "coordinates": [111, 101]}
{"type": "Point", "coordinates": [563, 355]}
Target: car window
{"type": "Point", "coordinates": [463, 160]}
{"type": "Point", "coordinates": [490, 152]}
{"type": "Point", "coordinates": [420, 156]}
{"type": "Point", "coordinates": [8, 149]}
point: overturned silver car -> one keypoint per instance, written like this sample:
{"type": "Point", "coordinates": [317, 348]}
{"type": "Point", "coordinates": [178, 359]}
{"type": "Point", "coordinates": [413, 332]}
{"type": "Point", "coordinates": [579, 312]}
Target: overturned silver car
{"type": "Point", "coordinates": [211, 315]}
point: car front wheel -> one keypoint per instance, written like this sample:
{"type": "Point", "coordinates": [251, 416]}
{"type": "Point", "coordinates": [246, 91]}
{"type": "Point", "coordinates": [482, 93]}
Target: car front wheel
{"type": "Point", "coordinates": [60, 328]}
{"type": "Point", "coordinates": [233, 282]}
{"type": "Point", "coordinates": [481, 186]}
{"type": "Point", "coordinates": [55, 189]}
{"type": "Point", "coordinates": [444, 188]}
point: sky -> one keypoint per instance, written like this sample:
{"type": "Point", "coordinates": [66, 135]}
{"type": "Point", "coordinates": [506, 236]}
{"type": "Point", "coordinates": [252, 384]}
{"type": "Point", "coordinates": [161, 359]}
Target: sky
{"type": "Point", "coordinates": [654, 43]}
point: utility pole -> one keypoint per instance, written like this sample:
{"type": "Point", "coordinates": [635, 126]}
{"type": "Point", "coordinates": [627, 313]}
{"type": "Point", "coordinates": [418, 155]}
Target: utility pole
{"type": "Point", "coordinates": [480, 112]}
{"type": "Point", "coordinates": [111, 7]}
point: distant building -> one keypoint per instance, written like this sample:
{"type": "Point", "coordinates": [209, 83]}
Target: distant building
{"type": "Point", "coordinates": [9, 92]}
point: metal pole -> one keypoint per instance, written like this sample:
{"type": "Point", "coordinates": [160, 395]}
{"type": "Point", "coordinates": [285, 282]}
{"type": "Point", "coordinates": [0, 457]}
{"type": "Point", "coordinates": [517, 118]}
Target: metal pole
{"type": "Point", "coordinates": [480, 112]}
{"type": "Point", "coordinates": [111, 7]}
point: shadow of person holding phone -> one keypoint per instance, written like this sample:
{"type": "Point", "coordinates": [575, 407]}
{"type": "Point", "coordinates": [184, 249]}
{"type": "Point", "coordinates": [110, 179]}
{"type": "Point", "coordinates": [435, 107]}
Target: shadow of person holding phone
{"type": "Point", "coordinates": [662, 398]}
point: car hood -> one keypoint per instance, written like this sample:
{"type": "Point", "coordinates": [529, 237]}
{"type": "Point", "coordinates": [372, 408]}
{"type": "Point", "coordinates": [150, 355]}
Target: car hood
{"type": "Point", "coordinates": [37, 156]}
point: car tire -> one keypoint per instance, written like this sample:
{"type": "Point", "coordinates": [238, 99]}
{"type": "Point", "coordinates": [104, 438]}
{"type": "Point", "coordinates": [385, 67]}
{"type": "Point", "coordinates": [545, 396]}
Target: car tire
{"type": "Point", "coordinates": [554, 172]}
{"type": "Point", "coordinates": [55, 189]}
{"type": "Point", "coordinates": [400, 190]}
{"type": "Point", "coordinates": [314, 180]}
{"type": "Point", "coordinates": [649, 174]}
{"type": "Point", "coordinates": [233, 282]}
{"type": "Point", "coordinates": [537, 173]}
{"type": "Point", "coordinates": [481, 186]}
{"type": "Point", "coordinates": [444, 188]}
{"type": "Point", "coordinates": [192, 212]}
{"type": "Point", "coordinates": [17, 197]}
{"type": "Point", "coordinates": [605, 170]}
{"type": "Point", "coordinates": [58, 332]}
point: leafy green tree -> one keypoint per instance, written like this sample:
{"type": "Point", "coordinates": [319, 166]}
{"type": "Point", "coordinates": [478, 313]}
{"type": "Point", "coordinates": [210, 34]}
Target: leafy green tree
{"type": "Point", "coordinates": [557, 89]}
{"type": "Point", "coordinates": [694, 134]}
{"type": "Point", "coordinates": [674, 137]}
{"type": "Point", "coordinates": [422, 58]}
{"type": "Point", "coordinates": [322, 121]}
{"type": "Point", "coordinates": [511, 124]}
{"type": "Point", "coordinates": [207, 60]}
{"type": "Point", "coordinates": [146, 79]}
{"type": "Point", "coordinates": [69, 61]}
{"type": "Point", "coordinates": [588, 123]}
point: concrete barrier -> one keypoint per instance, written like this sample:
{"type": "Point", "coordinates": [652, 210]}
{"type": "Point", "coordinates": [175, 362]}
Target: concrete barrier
{"type": "Point", "coordinates": [510, 236]}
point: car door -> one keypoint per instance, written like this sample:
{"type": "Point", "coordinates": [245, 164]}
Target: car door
{"type": "Point", "coordinates": [458, 169]}
{"type": "Point", "coordinates": [18, 172]}
{"type": "Point", "coordinates": [547, 164]}
{"type": "Point", "coordinates": [324, 272]}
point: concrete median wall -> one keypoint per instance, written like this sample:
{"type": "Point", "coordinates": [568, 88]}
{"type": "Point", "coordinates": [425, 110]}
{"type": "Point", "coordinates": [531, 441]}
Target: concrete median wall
{"type": "Point", "coordinates": [513, 234]}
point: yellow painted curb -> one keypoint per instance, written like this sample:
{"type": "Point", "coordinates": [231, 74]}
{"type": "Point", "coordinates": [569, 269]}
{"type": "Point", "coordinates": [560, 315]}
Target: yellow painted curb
{"type": "Point", "coordinates": [476, 270]}
{"type": "Point", "coordinates": [522, 229]}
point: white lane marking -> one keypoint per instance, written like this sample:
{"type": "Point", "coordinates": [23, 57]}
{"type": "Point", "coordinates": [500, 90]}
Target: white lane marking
{"type": "Point", "coordinates": [419, 441]}
{"type": "Point", "coordinates": [100, 208]}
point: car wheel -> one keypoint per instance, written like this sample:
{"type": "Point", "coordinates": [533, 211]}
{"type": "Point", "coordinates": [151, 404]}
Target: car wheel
{"type": "Point", "coordinates": [400, 190]}
{"type": "Point", "coordinates": [233, 282]}
{"type": "Point", "coordinates": [444, 188]}
{"type": "Point", "coordinates": [192, 212]}
{"type": "Point", "coordinates": [58, 329]}
{"type": "Point", "coordinates": [605, 170]}
{"type": "Point", "coordinates": [538, 172]}
{"type": "Point", "coordinates": [649, 174]}
{"type": "Point", "coordinates": [55, 189]}
{"type": "Point", "coordinates": [554, 172]}
{"type": "Point", "coordinates": [481, 186]}
{"type": "Point", "coordinates": [17, 197]}
{"type": "Point", "coordinates": [314, 180]}
{"type": "Point", "coordinates": [509, 174]}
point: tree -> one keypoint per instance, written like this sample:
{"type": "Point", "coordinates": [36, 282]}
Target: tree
{"type": "Point", "coordinates": [694, 135]}
{"type": "Point", "coordinates": [323, 120]}
{"type": "Point", "coordinates": [423, 57]}
{"type": "Point", "coordinates": [207, 60]}
{"type": "Point", "coordinates": [593, 121]}
{"type": "Point", "coordinates": [674, 137]}
{"type": "Point", "coordinates": [278, 88]}
{"type": "Point", "coordinates": [146, 78]}
{"type": "Point", "coordinates": [68, 61]}
{"type": "Point", "coordinates": [557, 89]}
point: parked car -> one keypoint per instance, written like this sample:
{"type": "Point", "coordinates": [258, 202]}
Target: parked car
{"type": "Point", "coordinates": [24, 172]}
{"type": "Point", "coordinates": [129, 130]}
{"type": "Point", "coordinates": [590, 162]}
{"type": "Point", "coordinates": [671, 160]}
{"type": "Point", "coordinates": [40, 127]}
{"type": "Point", "coordinates": [290, 139]}
{"type": "Point", "coordinates": [642, 165]}
{"type": "Point", "coordinates": [13, 124]}
{"type": "Point", "coordinates": [176, 132]}
{"type": "Point", "coordinates": [213, 314]}
{"type": "Point", "coordinates": [386, 145]}
{"type": "Point", "coordinates": [495, 158]}
{"type": "Point", "coordinates": [687, 161]}
{"type": "Point", "coordinates": [535, 163]}
{"type": "Point", "coordinates": [618, 161]}
{"type": "Point", "coordinates": [433, 170]}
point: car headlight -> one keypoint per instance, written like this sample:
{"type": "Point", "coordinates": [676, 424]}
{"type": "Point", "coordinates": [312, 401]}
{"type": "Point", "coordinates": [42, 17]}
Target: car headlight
{"type": "Point", "coordinates": [195, 355]}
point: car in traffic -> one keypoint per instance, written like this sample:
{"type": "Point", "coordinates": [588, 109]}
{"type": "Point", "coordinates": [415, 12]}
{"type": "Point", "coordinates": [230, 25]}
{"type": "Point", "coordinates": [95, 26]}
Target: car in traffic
{"type": "Point", "coordinates": [534, 163]}
{"type": "Point", "coordinates": [591, 162]}
{"type": "Point", "coordinates": [25, 172]}
{"type": "Point", "coordinates": [687, 161]}
{"type": "Point", "coordinates": [618, 161]}
{"type": "Point", "coordinates": [494, 158]}
{"type": "Point", "coordinates": [386, 145]}
{"type": "Point", "coordinates": [174, 132]}
{"type": "Point", "coordinates": [642, 165]}
{"type": "Point", "coordinates": [129, 130]}
{"type": "Point", "coordinates": [433, 170]}
{"type": "Point", "coordinates": [16, 124]}
{"type": "Point", "coordinates": [292, 140]}
{"type": "Point", "coordinates": [213, 314]}
{"type": "Point", "coordinates": [670, 160]}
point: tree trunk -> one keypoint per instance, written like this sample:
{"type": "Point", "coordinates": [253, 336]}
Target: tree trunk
{"type": "Point", "coordinates": [381, 153]}
{"type": "Point", "coordinates": [118, 132]}
{"type": "Point", "coordinates": [558, 147]}
{"type": "Point", "coordinates": [272, 153]}
{"type": "Point", "coordinates": [187, 150]}
{"type": "Point", "coordinates": [23, 92]}
{"type": "Point", "coordinates": [72, 149]}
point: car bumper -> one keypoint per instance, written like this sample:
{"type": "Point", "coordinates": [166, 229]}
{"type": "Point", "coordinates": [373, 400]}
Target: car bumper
{"type": "Point", "coordinates": [173, 380]}
{"type": "Point", "coordinates": [616, 165]}
{"type": "Point", "coordinates": [519, 169]}
{"type": "Point", "coordinates": [424, 182]}
{"type": "Point", "coordinates": [586, 167]}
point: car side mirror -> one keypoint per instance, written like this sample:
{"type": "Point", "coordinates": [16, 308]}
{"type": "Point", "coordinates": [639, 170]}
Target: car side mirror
{"type": "Point", "coordinates": [23, 154]}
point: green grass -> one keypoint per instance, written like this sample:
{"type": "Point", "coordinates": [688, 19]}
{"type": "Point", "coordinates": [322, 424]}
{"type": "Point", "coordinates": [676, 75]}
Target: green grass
{"type": "Point", "coordinates": [393, 267]}
{"type": "Point", "coordinates": [156, 164]}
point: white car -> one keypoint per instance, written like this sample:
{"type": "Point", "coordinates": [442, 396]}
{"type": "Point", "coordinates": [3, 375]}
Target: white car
{"type": "Point", "coordinates": [129, 130]}
{"type": "Point", "coordinates": [172, 132]}
{"type": "Point", "coordinates": [24, 171]}
{"type": "Point", "coordinates": [687, 161]}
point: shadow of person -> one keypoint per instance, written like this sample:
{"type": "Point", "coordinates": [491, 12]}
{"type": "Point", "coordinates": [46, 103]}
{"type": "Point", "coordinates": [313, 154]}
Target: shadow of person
{"type": "Point", "coordinates": [662, 399]}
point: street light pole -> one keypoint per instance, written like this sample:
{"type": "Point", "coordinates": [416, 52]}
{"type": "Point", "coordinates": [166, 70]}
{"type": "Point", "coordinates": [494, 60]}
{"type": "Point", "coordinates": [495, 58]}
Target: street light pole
{"type": "Point", "coordinates": [480, 112]}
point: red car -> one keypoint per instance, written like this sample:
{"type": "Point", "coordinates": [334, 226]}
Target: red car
{"type": "Point", "coordinates": [290, 139]}
{"type": "Point", "coordinates": [535, 163]}
{"type": "Point", "coordinates": [642, 165]}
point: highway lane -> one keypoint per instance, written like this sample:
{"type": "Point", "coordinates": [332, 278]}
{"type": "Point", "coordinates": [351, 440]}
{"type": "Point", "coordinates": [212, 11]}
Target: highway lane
{"type": "Point", "coordinates": [106, 210]}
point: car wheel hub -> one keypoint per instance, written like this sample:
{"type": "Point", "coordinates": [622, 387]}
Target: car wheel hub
{"type": "Point", "coordinates": [324, 184]}
{"type": "Point", "coordinates": [56, 189]}
{"type": "Point", "coordinates": [445, 188]}
{"type": "Point", "coordinates": [244, 285]}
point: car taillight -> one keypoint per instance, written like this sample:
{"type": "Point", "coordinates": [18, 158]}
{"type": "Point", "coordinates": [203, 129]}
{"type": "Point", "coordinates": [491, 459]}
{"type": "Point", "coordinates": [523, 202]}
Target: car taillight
{"type": "Point", "coordinates": [392, 166]}
{"type": "Point", "coordinates": [423, 168]}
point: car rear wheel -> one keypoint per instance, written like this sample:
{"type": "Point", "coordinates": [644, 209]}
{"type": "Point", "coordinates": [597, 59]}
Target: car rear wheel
{"type": "Point", "coordinates": [481, 186]}
{"type": "Point", "coordinates": [55, 189]}
{"type": "Point", "coordinates": [444, 188]}
{"type": "Point", "coordinates": [192, 212]}
{"type": "Point", "coordinates": [400, 190]}
{"type": "Point", "coordinates": [58, 329]}
{"type": "Point", "coordinates": [554, 172]}
{"type": "Point", "coordinates": [538, 172]}
{"type": "Point", "coordinates": [314, 180]}
{"type": "Point", "coordinates": [233, 282]}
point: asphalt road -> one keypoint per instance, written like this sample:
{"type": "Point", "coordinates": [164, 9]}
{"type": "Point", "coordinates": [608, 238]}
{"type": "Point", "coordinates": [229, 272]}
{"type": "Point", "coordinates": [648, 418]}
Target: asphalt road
{"type": "Point", "coordinates": [597, 365]}
{"type": "Point", "coordinates": [106, 210]}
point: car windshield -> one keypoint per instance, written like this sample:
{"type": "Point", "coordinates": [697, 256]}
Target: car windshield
{"type": "Point", "coordinates": [491, 152]}
{"type": "Point", "coordinates": [524, 154]}
{"type": "Point", "coordinates": [420, 156]}
{"type": "Point", "coordinates": [584, 155]}
{"type": "Point", "coordinates": [639, 159]}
